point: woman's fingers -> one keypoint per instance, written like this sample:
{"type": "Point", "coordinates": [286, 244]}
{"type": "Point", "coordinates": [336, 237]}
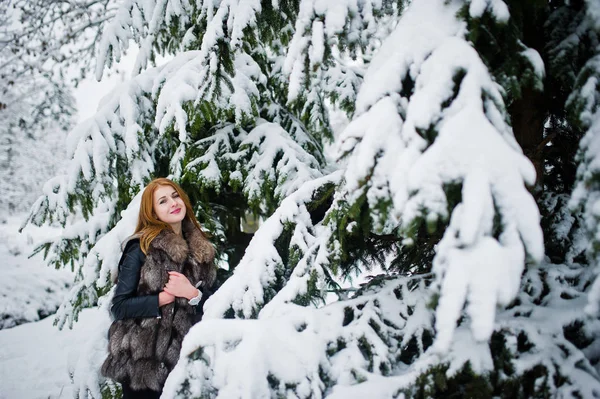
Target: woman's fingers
{"type": "Point", "coordinates": [177, 278]}
{"type": "Point", "coordinates": [175, 281]}
{"type": "Point", "coordinates": [179, 286]}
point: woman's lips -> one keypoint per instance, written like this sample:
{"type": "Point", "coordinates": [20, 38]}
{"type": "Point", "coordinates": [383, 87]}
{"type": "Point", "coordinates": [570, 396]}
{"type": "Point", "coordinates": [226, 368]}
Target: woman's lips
{"type": "Point", "coordinates": [176, 211]}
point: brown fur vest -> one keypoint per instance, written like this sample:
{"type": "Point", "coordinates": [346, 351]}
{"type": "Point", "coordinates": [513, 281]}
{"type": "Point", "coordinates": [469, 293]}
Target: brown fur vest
{"type": "Point", "coordinates": [143, 351]}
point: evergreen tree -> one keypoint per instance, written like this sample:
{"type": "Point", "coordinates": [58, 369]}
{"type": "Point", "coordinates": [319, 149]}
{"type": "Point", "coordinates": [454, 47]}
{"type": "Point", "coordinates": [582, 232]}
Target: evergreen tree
{"type": "Point", "coordinates": [452, 189]}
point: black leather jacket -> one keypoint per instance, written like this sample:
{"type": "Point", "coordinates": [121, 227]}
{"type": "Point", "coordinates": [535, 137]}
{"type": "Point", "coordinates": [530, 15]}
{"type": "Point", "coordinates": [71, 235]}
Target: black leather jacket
{"type": "Point", "coordinates": [126, 304]}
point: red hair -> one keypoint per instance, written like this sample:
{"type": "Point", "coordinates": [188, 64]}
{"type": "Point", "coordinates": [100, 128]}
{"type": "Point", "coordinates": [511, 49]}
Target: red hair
{"type": "Point", "coordinates": [148, 226]}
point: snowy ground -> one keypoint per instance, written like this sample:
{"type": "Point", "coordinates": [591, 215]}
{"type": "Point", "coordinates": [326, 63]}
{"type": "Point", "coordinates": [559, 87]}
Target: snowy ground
{"type": "Point", "coordinates": [35, 357]}
{"type": "Point", "coordinates": [29, 290]}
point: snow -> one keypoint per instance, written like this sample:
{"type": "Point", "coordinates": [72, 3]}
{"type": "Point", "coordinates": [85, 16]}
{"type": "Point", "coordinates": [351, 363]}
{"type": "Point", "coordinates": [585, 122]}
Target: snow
{"type": "Point", "coordinates": [319, 25]}
{"type": "Point", "coordinates": [29, 290]}
{"type": "Point", "coordinates": [593, 12]}
{"type": "Point", "coordinates": [498, 8]}
{"type": "Point", "coordinates": [89, 91]}
{"type": "Point", "coordinates": [194, 79]}
{"type": "Point", "coordinates": [428, 115]}
{"type": "Point", "coordinates": [409, 148]}
{"type": "Point", "coordinates": [35, 358]}
{"type": "Point", "coordinates": [425, 24]}
{"type": "Point", "coordinates": [100, 265]}
{"type": "Point", "coordinates": [244, 292]}
{"type": "Point", "coordinates": [586, 195]}
{"type": "Point", "coordinates": [285, 351]}
{"type": "Point", "coordinates": [535, 59]}
{"type": "Point", "coordinates": [294, 167]}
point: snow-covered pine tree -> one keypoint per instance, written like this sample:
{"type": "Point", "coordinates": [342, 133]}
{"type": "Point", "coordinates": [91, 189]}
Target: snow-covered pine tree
{"type": "Point", "coordinates": [433, 192]}
{"type": "Point", "coordinates": [584, 105]}
{"type": "Point", "coordinates": [213, 118]}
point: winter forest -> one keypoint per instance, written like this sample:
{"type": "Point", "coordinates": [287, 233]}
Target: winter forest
{"type": "Point", "coordinates": [404, 196]}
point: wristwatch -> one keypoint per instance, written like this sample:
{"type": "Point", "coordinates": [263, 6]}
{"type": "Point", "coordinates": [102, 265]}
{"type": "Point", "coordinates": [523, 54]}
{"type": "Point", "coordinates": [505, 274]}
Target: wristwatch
{"type": "Point", "coordinates": [196, 300]}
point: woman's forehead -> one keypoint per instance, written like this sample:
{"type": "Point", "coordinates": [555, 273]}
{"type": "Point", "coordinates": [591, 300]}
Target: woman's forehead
{"type": "Point", "coordinates": [163, 190]}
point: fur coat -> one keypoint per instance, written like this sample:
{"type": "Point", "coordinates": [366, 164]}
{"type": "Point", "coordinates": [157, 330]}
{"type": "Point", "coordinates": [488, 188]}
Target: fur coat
{"type": "Point", "coordinates": [143, 351]}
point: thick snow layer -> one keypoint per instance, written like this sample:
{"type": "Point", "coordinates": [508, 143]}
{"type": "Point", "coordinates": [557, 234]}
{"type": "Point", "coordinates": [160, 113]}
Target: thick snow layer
{"type": "Point", "coordinates": [290, 350]}
{"type": "Point", "coordinates": [319, 25]}
{"type": "Point", "coordinates": [497, 7]}
{"type": "Point", "coordinates": [35, 358]}
{"type": "Point", "coordinates": [244, 292]}
{"type": "Point", "coordinates": [29, 289]}
{"type": "Point", "coordinates": [429, 116]}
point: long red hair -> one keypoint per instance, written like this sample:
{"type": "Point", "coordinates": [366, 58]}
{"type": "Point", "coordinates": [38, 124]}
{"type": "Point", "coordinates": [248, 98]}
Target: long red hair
{"type": "Point", "coordinates": [148, 226]}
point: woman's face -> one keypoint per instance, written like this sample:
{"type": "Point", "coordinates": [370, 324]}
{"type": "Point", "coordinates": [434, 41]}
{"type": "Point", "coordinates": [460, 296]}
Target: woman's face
{"type": "Point", "coordinates": [168, 206]}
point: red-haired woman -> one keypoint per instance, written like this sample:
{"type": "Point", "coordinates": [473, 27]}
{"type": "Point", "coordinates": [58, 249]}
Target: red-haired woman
{"type": "Point", "coordinates": [165, 275]}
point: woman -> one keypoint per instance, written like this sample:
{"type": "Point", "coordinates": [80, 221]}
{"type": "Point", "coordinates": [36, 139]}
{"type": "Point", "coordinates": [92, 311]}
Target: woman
{"type": "Point", "coordinates": [165, 275]}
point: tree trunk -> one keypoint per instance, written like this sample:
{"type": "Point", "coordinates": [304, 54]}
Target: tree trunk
{"type": "Point", "coordinates": [529, 112]}
{"type": "Point", "coordinates": [528, 115]}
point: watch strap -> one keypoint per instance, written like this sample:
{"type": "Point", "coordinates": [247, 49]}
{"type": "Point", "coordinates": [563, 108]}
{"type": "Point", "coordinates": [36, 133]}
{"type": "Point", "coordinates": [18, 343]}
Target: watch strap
{"type": "Point", "coordinates": [196, 300]}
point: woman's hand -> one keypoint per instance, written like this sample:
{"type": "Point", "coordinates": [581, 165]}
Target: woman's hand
{"type": "Point", "coordinates": [180, 286]}
{"type": "Point", "coordinates": [164, 298]}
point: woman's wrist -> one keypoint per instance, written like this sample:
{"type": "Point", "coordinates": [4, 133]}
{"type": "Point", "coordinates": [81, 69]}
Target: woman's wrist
{"type": "Point", "coordinates": [164, 298]}
{"type": "Point", "coordinates": [193, 293]}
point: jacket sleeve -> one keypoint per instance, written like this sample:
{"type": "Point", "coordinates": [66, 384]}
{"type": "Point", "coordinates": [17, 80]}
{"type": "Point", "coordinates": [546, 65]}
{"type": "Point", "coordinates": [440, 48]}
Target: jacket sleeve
{"type": "Point", "coordinates": [126, 304]}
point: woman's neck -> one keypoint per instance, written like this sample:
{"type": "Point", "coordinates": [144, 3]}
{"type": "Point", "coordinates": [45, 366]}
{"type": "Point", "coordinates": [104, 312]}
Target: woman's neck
{"type": "Point", "coordinates": [177, 228]}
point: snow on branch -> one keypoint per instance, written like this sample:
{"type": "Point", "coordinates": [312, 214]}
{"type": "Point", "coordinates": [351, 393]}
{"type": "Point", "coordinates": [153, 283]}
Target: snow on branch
{"type": "Point", "coordinates": [115, 130]}
{"type": "Point", "coordinates": [543, 337]}
{"type": "Point", "coordinates": [342, 83]}
{"type": "Point", "coordinates": [149, 23]}
{"type": "Point", "coordinates": [498, 8]}
{"type": "Point", "coordinates": [276, 249]}
{"type": "Point", "coordinates": [301, 133]}
{"type": "Point", "coordinates": [215, 155]}
{"type": "Point", "coordinates": [99, 267]}
{"type": "Point", "coordinates": [302, 352]}
{"type": "Point", "coordinates": [319, 26]}
{"type": "Point", "coordinates": [569, 28]}
{"type": "Point", "coordinates": [109, 152]}
{"type": "Point", "coordinates": [55, 39]}
{"type": "Point", "coordinates": [584, 103]}
{"type": "Point", "coordinates": [430, 133]}
{"type": "Point", "coordinates": [538, 340]}
{"type": "Point", "coordinates": [276, 160]}
{"type": "Point", "coordinates": [188, 78]}
{"type": "Point", "coordinates": [218, 70]}
{"type": "Point", "coordinates": [122, 127]}
{"type": "Point", "coordinates": [267, 163]}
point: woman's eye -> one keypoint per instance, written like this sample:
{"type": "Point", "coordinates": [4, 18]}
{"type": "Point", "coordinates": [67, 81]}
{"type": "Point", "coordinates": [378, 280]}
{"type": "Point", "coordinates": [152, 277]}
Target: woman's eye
{"type": "Point", "coordinates": [175, 195]}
